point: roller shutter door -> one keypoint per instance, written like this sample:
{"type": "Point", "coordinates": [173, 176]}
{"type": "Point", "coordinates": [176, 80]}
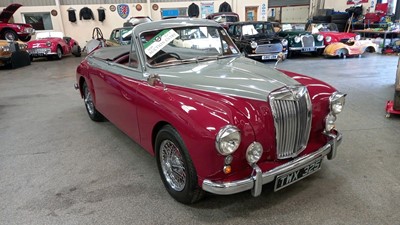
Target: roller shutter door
{"type": "Point", "coordinates": [284, 3]}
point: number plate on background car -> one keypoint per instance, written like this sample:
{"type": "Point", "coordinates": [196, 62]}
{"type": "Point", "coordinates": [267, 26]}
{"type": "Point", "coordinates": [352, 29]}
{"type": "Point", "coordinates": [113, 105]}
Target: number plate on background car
{"type": "Point", "coordinates": [265, 57]}
{"type": "Point", "coordinates": [309, 49]}
{"type": "Point", "coordinates": [287, 179]}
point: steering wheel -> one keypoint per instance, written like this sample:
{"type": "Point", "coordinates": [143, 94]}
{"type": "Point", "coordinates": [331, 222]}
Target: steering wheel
{"type": "Point", "coordinates": [97, 34]}
{"type": "Point", "coordinates": [165, 56]}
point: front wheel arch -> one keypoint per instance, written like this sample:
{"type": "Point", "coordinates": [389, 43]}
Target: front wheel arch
{"type": "Point", "coordinates": [176, 167]}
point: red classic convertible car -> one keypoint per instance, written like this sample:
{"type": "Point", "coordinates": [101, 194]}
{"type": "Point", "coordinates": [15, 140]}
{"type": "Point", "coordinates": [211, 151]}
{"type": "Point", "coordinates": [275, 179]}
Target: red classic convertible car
{"type": "Point", "coordinates": [215, 120]}
{"type": "Point", "coordinates": [331, 33]}
{"type": "Point", "coordinates": [53, 44]}
{"type": "Point", "coordinates": [14, 31]}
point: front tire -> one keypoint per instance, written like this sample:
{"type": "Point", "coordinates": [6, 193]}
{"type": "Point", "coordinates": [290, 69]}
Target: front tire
{"type": "Point", "coordinates": [176, 167]}
{"type": "Point", "coordinates": [25, 39]}
{"type": "Point", "coordinates": [89, 104]}
{"type": "Point", "coordinates": [59, 53]}
{"type": "Point", "coordinates": [10, 35]}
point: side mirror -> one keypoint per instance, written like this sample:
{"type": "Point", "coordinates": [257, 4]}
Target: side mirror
{"type": "Point", "coordinates": [153, 79]}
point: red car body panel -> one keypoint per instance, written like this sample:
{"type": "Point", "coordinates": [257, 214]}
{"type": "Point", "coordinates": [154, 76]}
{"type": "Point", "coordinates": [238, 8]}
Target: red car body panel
{"type": "Point", "coordinates": [23, 30]}
{"type": "Point", "coordinates": [137, 109]}
{"type": "Point", "coordinates": [51, 44]}
{"type": "Point", "coordinates": [337, 36]}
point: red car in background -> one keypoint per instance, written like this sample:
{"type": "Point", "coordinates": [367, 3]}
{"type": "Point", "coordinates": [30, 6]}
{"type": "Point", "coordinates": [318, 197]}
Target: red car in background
{"type": "Point", "coordinates": [53, 44]}
{"type": "Point", "coordinates": [331, 33]}
{"type": "Point", "coordinates": [14, 31]}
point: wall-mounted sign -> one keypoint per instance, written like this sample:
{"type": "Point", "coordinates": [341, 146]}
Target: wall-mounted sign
{"type": "Point", "coordinates": [206, 8]}
{"type": "Point", "coordinates": [154, 7]}
{"type": "Point", "coordinates": [112, 8]}
{"type": "Point", "coordinates": [138, 7]}
{"type": "Point", "coordinates": [54, 12]}
{"type": "Point", "coordinates": [123, 10]}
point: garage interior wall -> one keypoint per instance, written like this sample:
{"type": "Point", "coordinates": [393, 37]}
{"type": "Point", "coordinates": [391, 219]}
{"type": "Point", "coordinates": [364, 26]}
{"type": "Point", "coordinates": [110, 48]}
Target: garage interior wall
{"type": "Point", "coordinates": [292, 11]}
{"type": "Point", "coordinates": [81, 30]}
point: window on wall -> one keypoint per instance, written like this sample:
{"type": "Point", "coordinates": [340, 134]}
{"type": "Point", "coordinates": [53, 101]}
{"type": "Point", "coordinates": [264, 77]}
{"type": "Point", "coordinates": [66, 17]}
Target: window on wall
{"type": "Point", "coordinates": [39, 21]}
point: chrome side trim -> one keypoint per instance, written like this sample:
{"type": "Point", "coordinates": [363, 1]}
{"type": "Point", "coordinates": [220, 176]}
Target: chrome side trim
{"type": "Point", "coordinates": [257, 179]}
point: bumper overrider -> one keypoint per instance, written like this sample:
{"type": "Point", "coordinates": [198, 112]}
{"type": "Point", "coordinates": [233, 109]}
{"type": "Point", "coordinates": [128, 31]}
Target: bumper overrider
{"type": "Point", "coordinates": [255, 181]}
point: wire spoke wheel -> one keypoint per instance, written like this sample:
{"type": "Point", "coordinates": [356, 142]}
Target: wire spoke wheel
{"type": "Point", "coordinates": [88, 100]}
{"type": "Point", "coordinates": [172, 165]}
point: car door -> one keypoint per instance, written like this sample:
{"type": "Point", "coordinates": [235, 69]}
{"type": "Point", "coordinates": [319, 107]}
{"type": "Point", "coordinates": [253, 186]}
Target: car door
{"type": "Point", "coordinates": [115, 87]}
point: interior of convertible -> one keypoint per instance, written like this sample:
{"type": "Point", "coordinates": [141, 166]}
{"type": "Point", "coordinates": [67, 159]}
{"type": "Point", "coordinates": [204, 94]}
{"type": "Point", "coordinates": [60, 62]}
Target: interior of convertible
{"type": "Point", "coordinates": [173, 46]}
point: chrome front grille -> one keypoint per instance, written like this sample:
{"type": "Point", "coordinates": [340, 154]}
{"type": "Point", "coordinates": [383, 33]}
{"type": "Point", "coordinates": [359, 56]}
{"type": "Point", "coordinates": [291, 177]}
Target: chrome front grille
{"type": "Point", "coordinates": [307, 40]}
{"type": "Point", "coordinates": [291, 108]}
{"type": "Point", "coordinates": [269, 48]}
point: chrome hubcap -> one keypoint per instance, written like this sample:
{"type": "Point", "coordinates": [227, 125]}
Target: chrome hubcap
{"type": "Point", "coordinates": [88, 101]}
{"type": "Point", "coordinates": [172, 165]}
{"type": "Point", "coordinates": [9, 37]}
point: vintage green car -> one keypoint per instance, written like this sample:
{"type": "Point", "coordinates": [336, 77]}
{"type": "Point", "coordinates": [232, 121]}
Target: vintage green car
{"type": "Point", "coordinates": [13, 54]}
{"type": "Point", "coordinates": [301, 41]}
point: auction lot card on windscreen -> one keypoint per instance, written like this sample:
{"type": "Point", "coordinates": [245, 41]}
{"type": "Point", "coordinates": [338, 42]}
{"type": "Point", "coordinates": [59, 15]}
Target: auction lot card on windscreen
{"type": "Point", "coordinates": [159, 41]}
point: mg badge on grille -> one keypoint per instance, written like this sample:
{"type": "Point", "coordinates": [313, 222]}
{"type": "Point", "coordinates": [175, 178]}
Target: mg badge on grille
{"type": "Point", "coordinates": [298, 92]}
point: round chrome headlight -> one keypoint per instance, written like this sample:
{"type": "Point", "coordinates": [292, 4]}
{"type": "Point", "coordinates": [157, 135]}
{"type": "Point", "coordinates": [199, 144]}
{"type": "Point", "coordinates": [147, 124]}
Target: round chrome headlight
{"type": "Point", "coordinates": [320, 37]}
{"type": "Point", "coordinates": [357, 37]}
{"type": "Point", "coordinates": [336, 102]}
{"type": "Point", "coordinates": [254, 152]}
{"type": "Point", "coordinates": [330, 122]}
{"type": "Point", "coordinates": [253, 44]}
{"type": "Point", "coordinates": [328, 38]}
{"type": "Point", "coordinates": [297, 39]}
{"type": "Point", "coordinates": [228, 140]}
{"type": "Point", "coordinates": [48, 44]}
{"type": "Point", "coordinates": [284, 42]}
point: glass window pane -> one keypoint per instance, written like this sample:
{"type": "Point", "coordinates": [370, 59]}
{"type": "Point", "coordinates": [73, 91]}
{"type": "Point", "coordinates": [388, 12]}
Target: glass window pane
{"type": "Point", "coordinates": [39, 21]}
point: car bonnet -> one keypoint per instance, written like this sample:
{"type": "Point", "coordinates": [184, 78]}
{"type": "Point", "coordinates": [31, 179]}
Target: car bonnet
{"type": "Point", "coordinates": [239, 77]}
{"type": "Point", "coordinates": [8, 12]}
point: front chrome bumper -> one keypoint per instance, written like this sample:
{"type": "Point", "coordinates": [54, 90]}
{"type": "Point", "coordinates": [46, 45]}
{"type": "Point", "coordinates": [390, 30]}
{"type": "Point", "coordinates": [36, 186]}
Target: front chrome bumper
{"type": "Point", "coordinates": [255, 182]}
{"type": "Point", "coordinates": [301, 48]}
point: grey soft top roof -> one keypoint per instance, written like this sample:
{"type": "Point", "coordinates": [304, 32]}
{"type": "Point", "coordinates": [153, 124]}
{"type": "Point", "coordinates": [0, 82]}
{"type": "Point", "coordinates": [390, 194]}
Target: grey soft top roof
{"type": "Point", "coordinates": [171, 23]}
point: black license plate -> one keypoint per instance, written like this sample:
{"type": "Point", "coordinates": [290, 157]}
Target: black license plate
{"type": "Point", "coordinates": [308, 49]}
{"type": "Point", "coordinates": [289, 178]}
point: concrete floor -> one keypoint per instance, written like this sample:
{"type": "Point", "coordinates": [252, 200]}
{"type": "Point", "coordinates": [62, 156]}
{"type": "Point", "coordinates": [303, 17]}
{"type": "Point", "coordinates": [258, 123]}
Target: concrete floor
{"type": "Point", "coordinates": [59, 167]}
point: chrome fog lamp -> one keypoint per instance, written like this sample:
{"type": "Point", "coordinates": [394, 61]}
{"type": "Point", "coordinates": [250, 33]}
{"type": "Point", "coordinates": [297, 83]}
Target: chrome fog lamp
{"type": "Point", "coordinates": [336, 102]}
{"type": "Point", "coordinates": [253, 44]}
{"type": "Point", "coordinates": [328, 38]}
{"type": "Point", "coordinates": [254, 152]}
{"type": "Point", "coordinates": [320, 37]}
{"type": "Point", "coordinates": [330, 122]}
{"type": "Point", "coordinates": [357, 37]}
{"type": "Point", "coordinates": [284, 42]}
{"type": "Point", "coordinates": [48, 44]}
{"type": "Point", "coordinates": [297, 39]}
{"type": "Point", "coordinates": [228, 140]}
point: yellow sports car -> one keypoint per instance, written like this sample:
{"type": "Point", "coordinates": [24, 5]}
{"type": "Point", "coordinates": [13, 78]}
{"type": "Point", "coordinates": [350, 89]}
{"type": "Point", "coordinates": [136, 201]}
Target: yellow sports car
{"type": "Point", "coordinates": [350, 48]}
{"type": "Point", "coordinates": [13, 54]}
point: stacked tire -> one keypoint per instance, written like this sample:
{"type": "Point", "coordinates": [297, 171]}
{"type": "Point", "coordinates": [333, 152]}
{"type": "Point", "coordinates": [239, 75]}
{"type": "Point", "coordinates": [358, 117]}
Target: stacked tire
{"type": "Point", "coordinates": [340, 19]}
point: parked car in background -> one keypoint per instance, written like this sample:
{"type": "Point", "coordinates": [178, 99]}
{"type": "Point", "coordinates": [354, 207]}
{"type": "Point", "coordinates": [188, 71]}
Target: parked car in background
{"type": "Point", "coordinates": [120, 36]}
{"type": "Point", "coordinates": [14, 31]}
{"type": "Point", "coordinates": [13, 54]}
{"type": "Point", "coordinates": [53, 45]}
{"type": "Point", "coordinates": [352, 47]}
{"type": "Point", "coordinates": [215, 120]}
{"type": "Point", "coordinates": [258, 40]}
{"type": "Point", "coordinates": [302, 41]}
{"type": "Point", "coordinates": [224, 18]}
{"type": "Point", "coordinates": [331, 33]}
